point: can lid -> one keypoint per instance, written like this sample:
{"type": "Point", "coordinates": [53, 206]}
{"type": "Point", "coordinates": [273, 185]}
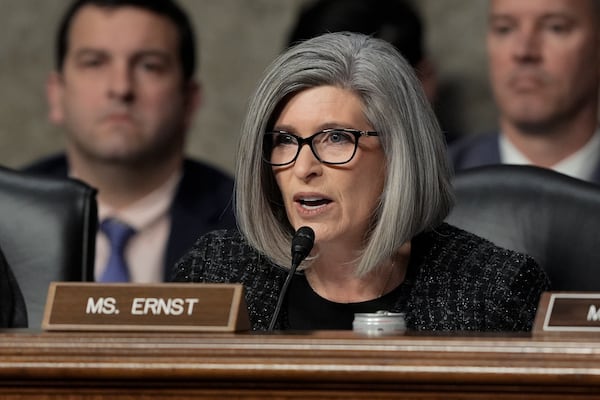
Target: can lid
{"type": "Point", "coordinates": [380, 313]}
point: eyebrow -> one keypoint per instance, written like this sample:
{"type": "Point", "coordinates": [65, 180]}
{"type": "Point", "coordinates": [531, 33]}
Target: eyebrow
{"type": "Point", "coordinates": [547, 15]}
{"type": "Point", "coordinates": [136, 54]}
{"type": "Point", "coordinates": [323, 126]}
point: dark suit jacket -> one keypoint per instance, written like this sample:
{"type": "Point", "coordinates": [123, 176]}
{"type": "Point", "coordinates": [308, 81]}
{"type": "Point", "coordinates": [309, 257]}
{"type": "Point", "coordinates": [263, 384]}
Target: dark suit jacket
{"type": "Point", "coordinates": [485, 150]}
{"type": "Point", "coordinates": [13, 313]}
{"type": "Point", "coordinates": [202, 203]}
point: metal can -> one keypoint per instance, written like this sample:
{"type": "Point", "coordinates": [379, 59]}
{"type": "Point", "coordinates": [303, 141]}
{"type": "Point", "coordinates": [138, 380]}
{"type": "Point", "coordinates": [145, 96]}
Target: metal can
{"type": "Point", "coordinates": [379, 323]}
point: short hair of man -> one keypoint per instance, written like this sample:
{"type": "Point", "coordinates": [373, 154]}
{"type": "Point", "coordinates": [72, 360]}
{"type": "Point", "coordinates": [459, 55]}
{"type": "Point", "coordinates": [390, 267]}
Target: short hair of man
{"type": "Point", "coordinates": [417, 195]}
{"type": "Point", "coordinates": [166, 8]}
{"type": "Point", "coordinates": [393, 20]}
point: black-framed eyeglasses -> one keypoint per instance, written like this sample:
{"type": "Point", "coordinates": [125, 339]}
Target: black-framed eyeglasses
{"type": "Point", "coordinates": [330, 146]}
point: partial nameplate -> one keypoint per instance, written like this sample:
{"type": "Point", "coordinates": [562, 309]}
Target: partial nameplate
{"type": "Point", "coordinates": [173, 307]}
{"type": "Point", "coordinates": [568, 312]}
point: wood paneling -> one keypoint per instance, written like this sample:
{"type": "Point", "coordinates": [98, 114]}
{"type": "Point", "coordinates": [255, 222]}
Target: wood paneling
{"type": "Point", "coordinates": [324, 365]}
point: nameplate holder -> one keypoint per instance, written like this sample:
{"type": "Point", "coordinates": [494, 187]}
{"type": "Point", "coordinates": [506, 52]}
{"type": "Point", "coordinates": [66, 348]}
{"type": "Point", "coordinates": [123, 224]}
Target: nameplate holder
{"type": "Point", "coordinates": [167, 307]}
{"type": "Point", "coordinates": [568, 314]}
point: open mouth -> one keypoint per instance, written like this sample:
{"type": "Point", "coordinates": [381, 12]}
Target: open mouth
{"type": "Point", "coordinates": [313, 202]}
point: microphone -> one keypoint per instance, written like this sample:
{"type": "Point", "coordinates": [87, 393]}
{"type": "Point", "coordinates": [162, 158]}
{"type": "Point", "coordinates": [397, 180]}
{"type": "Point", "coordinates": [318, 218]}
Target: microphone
{"type": "Point", "coordinates": [302, 244]}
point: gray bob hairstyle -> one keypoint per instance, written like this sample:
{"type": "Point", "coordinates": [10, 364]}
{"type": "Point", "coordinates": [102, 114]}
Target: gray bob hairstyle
{"type": "Point", "coordinates": [417, 194]}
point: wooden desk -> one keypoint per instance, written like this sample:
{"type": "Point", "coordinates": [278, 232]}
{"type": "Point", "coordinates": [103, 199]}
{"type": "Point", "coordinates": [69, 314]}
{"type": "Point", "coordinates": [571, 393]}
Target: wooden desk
{"type": "Point", "coordinates": [324, 365]}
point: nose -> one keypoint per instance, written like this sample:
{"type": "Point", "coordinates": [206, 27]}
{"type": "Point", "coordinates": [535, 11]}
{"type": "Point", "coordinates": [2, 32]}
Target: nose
{"type": "Point", "coordinates": [307, 165]}
{"type": "Point", "coordinates": [527, 46]}
{"type": "Point", "coordinates": [120, 85]}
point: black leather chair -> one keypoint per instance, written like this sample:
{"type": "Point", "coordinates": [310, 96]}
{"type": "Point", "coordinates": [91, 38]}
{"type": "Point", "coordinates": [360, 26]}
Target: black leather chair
{"type": "Point", "coordinates": [13, 313]}
{"type": "Point", "coordinates": [548, 215]}
{"type": "Point", "coordinates": [47, 233]}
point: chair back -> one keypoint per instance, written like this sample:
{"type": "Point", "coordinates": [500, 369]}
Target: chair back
{"type": "Point", "coordinates": [550, 216]}
{"type": "Point", "coordinates": [48, 233]}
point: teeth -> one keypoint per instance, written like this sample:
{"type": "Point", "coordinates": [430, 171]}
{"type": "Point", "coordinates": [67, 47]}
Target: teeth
{"type": "Point", "coordinates": [312, 207]}
{"type": "Point", "coordinates": [313, 202]}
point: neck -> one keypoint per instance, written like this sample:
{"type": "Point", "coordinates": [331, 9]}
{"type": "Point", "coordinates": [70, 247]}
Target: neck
{"type": "Point", "coordinates": [339, 283]}
{"type": "Point", "coordinates": [548, 145]}
{"type": "Point", "coordinates": [120, 185]}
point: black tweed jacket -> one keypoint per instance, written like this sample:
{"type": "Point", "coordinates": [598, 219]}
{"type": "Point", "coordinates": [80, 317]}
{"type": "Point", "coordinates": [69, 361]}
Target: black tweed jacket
{"type": "Point", "coordinates": [456, 281]}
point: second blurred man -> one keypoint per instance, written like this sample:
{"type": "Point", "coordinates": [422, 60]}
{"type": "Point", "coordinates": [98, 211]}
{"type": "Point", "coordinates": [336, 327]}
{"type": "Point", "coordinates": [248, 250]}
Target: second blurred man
{"type": "Point", "coordinates": [544, 58]}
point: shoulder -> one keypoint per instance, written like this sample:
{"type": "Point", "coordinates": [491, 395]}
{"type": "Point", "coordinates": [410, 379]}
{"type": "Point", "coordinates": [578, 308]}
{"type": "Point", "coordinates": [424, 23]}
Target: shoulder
{"type": "Point", "coordinates": [462, 253]}
{"type": "Point", "coordinates": [475, 151]}
{"type": "Point", "coordinates": [203, 198]}
{"type": "Point", "coordinates": [224, 238]}
{"type": "Point", "coordinates": [204, 187]}
{"type": "Point", "coordinates": [54, 165]}
{"type": "Point", "coordinates": [221, 256]}
{"type": "Point", "coordinates": [195, 171]}
{"type": "Point", "coordinates": [209, 252]}
{"type": "Point", "coordinates": [479, 285]}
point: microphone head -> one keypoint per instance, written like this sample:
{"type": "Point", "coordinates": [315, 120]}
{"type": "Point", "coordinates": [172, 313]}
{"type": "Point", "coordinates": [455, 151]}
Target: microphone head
{"type": "Point", "coordinates": [302, 244]}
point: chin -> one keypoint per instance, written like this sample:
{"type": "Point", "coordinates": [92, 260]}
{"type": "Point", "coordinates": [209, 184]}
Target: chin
{"type": "Point", "coordinates": [533, 126]}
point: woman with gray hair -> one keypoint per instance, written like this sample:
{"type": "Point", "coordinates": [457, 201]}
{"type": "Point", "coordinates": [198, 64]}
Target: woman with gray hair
{"type": "Point", "coordinates": [373, 183]}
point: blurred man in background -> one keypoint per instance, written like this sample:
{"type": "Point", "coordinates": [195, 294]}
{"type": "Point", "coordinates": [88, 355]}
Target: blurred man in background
{"type": "Point", "coordinates": [544, 60]}
{"type": "Point", "coordinates": [125, 93]}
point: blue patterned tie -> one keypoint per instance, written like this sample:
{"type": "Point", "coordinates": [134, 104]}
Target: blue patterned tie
{"type": "Point", "coordinates": [118, 234]}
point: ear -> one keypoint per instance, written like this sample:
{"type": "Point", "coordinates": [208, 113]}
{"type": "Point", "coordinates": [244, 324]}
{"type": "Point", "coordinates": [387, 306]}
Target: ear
{"type": "Point", "coordinates": [193, 101]}
{"type": "Point", "coordinates": [54, 97]}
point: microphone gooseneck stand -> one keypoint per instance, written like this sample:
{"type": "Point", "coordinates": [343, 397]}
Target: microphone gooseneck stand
{"type": "Point", "coordinates": [302, 244]}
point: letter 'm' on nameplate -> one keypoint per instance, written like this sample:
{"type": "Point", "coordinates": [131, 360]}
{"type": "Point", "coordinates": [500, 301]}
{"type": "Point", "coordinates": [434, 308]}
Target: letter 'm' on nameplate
{"type": "Point", "coordinates": [568, 313]}
{"type": "Point", "coordinates": [183, 307]}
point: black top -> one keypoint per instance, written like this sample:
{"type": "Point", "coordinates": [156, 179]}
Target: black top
{"type": "Point", "coordinates": [309, 311]}
{"type": "Point", "coordinates": [455, 281]}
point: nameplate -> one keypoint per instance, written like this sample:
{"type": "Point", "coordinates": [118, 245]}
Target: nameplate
{"type": "Point", "coordinates": [173, 307]}
{"type": "Point", "coordinates": [568, 312]}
